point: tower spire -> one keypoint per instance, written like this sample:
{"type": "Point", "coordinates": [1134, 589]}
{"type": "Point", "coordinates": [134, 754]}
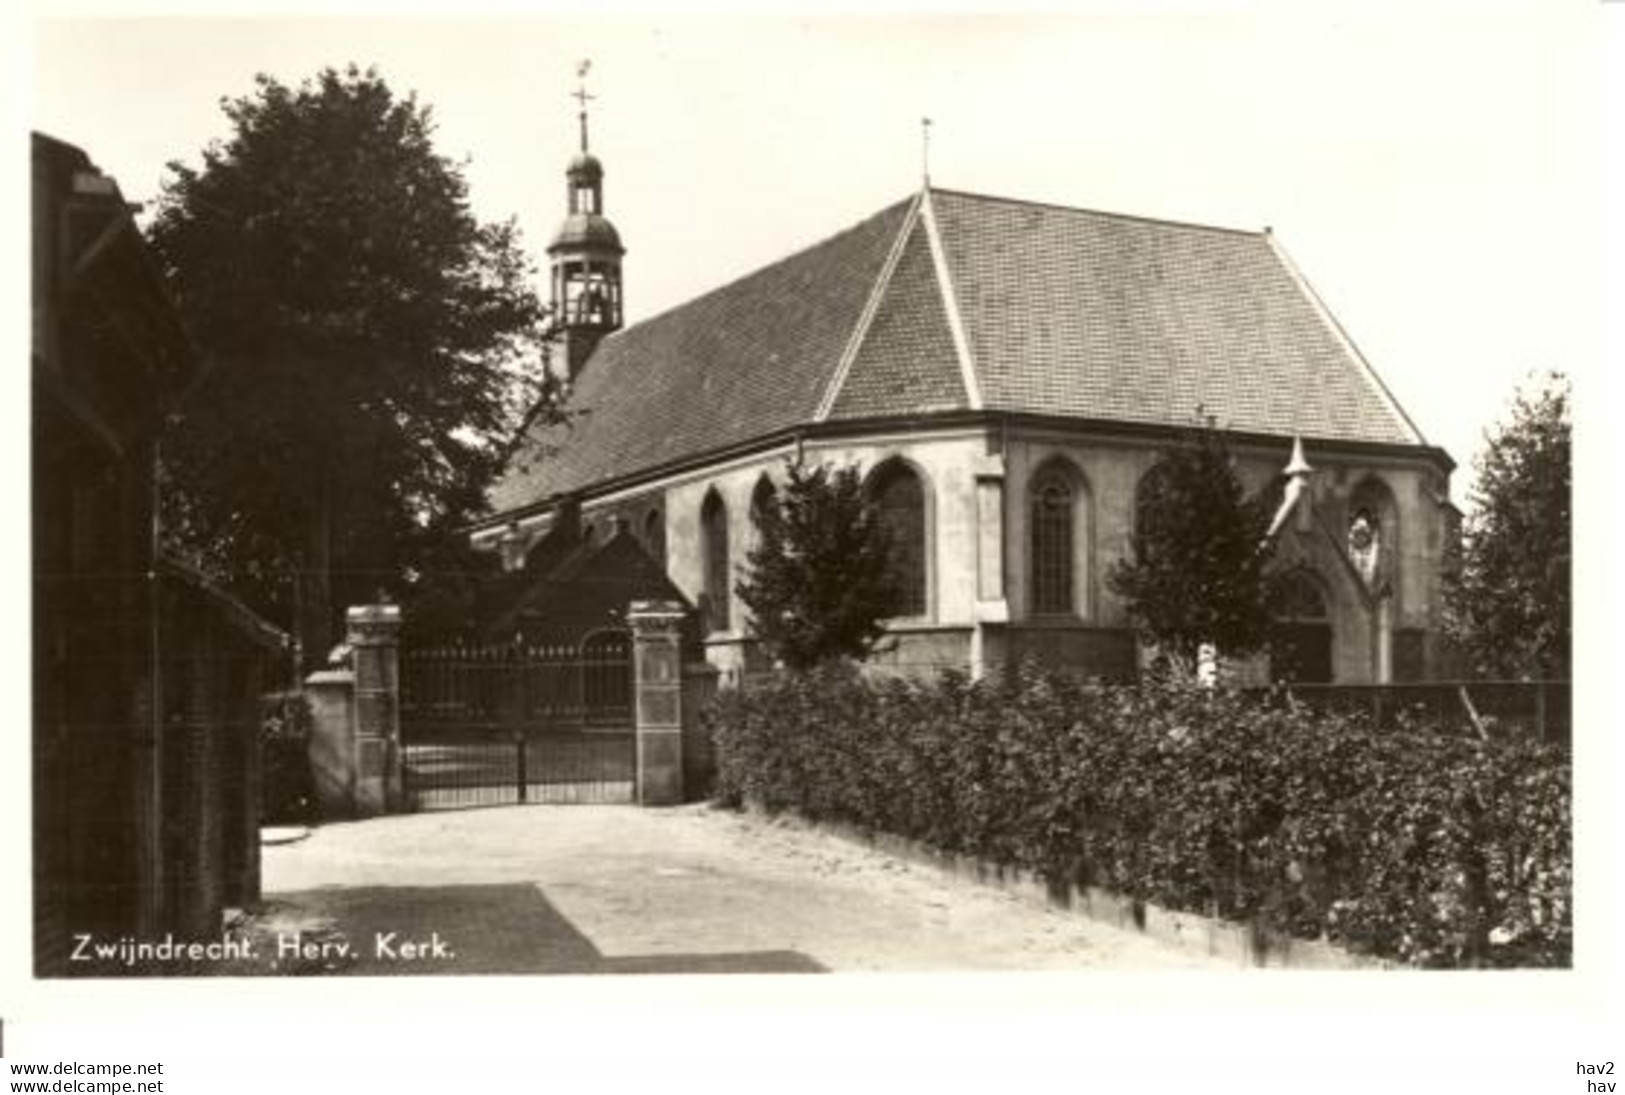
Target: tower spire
{"type": "Point", "coordinates": [582, 98]}
{"type": "Point", "coordinates": [585, 255]}
{"type": "Point", "coordinates": [925, 151]}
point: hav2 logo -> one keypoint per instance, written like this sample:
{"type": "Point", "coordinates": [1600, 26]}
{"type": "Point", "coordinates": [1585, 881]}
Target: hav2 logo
{"type": "Point", "coordinates": [1604, 1069]}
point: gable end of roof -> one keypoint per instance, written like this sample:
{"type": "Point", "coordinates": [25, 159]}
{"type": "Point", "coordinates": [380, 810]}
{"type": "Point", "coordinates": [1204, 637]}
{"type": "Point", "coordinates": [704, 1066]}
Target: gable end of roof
{"type": "Point", "coordinates": [908, 360]}
{"type": "Point", "coordinates": [860, 330]}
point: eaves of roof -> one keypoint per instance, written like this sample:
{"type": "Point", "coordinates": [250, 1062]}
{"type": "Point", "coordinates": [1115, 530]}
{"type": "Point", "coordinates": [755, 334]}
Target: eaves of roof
{"type": "Point", "coordinates": [1101, 429]}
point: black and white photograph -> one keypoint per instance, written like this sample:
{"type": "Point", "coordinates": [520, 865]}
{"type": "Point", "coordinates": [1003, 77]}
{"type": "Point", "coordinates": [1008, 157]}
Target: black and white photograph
{"type": "Point", "coordinates": [1076, 497]}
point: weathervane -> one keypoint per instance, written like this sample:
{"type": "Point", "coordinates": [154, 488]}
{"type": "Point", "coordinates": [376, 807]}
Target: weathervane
{"type": "Point", "coordinates": [580, 95]}
{"type": "Point", "coordinates": [925, 150]}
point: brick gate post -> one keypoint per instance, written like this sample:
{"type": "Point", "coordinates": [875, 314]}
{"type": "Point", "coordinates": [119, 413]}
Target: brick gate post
{"type": "Point", "coordinates": [657, 684]}
{"type": "Point", "coordinates": [373, 634]}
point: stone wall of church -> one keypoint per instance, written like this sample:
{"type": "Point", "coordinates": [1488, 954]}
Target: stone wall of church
{"type": "Point", "coordinates": [1105, 475]}
{"type": "Point", "coordinates": [946, 463]}
{"type": "Point", "coordinates": [1384, 621]}
{"type": "Point", "coordinates": [641, 515]}
{"type": "Point", "coordinates": [1103, 653]}
{"type": "Point", "coordinates": [1386, 598]}
{"type": "Point", "coordinates": [1382, 602]}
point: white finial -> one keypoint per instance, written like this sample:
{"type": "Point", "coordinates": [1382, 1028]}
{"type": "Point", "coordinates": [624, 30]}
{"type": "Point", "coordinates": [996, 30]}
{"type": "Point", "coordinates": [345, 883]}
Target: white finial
{"type": "Point", "coordinates": [1297, 472]}
{"type": "Point", "coordinates": [925, 150]}
{"type": "Point", "coordinates": [1298, 465]}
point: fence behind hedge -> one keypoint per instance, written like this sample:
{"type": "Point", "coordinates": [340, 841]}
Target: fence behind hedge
{"type": "Point", "coordinates": [1428, 848]}
{"type": "Point", "coordinates": [1495, 709]}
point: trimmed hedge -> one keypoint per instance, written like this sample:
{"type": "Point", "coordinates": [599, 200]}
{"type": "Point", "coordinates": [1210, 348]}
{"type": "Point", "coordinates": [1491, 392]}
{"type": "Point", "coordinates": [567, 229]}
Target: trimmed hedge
{"type": "Point", "coordinates": [1416, 846]}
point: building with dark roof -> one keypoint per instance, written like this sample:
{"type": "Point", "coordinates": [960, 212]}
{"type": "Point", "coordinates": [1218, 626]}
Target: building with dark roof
{"type": "Point", "coordinates": [147, 676]}
{"type": "Point", "coordinates": [1006, 371]}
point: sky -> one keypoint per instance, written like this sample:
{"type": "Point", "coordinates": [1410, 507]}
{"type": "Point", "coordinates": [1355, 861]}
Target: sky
{"type": "Point", "coordinates": [1436, 176]}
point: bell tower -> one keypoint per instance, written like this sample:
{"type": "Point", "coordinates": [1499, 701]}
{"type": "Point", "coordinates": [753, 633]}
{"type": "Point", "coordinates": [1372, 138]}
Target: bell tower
{"type": "Point", "coordinates": [585, 255]}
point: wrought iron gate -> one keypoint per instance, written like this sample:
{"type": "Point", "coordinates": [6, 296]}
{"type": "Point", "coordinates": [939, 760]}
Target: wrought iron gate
{"type": "Point", "coordinates": [518, 722]}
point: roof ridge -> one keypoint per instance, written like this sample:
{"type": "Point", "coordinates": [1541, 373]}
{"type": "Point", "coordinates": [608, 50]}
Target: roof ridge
{"type": "Point", "coordinates": [758, 271]}
{"type": "Point", "coordinates": [1166, 222]}
{"type": "Point", "coordinates": [969, 378]}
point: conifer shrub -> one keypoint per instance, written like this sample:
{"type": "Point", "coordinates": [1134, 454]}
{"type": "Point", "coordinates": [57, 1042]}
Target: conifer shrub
{"type": "Point", "coordinates": [1416, 846]}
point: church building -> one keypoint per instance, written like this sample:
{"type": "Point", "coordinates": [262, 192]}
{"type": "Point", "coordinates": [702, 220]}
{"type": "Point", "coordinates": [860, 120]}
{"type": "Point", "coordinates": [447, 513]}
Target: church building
{"type": "Point", "coordinates": [1004, 372]}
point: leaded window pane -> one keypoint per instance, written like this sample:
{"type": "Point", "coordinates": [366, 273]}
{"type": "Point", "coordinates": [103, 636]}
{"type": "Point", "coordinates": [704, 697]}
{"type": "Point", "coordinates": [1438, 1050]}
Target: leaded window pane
{"type": "Point", "coordinates": [900, 505]}
{"type": "Point", "coordinates": [714, 531]}
{"type": "Point", "coordinates": [1051, 522]}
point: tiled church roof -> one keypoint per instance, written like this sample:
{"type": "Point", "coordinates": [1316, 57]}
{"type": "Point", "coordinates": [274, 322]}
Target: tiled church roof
{"type": "Point", "coordinates": [1071, 312]}
{"type": "Point", "coordinates": [744, 360]}
{"type": "Point", "coordinates": [954, 301]}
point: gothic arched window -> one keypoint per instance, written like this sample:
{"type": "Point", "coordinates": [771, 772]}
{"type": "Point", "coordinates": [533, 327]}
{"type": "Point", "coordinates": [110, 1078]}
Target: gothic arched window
{"type": "Point", "coordinates": [1372, 538]}
{"type": "Point", "coordinates": [1301, 646]}
{"type": "Point", "coordinates": [1050, 505]}
{"type": "Point", "coordinates": [1147, 494]}
{"type": "Point", "coordinates": [654, 535]}
{"type": "Point", "coordinates": [714, 548]}
{"type": "Point", "coordinates": [760, 499]}
{"type": "Point", "coordinates": [899, 500]}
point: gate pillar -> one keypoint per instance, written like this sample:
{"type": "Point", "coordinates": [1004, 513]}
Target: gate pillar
{"type": "Point", "coordinates": [657, 685]}
{"type": "Point", "coordinates": [373, 634]}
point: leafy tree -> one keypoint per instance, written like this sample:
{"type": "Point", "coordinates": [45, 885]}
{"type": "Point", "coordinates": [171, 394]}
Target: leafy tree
{"type": "Point", "coordinates": [374, 347]}
{"type": "Point", "coordinates": [817, 582]}
{"type": "Point", "coordinates": [1199, 566]}
{"type": "Point", "coordinates": [1508, 600]}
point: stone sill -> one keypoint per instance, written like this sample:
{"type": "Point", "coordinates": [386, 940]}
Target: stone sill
{"type": "Point", "coordinates": [916, 625]}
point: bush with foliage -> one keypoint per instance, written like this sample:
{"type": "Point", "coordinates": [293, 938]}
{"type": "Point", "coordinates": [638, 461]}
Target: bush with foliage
{"type": "Point", "coordinates": [1428, 849]}
{"type": "Point", "coordinates": [1508, 601]}
{"type": "Point", "coordinates": [818, 583]}
{"type": "Point", "coordinates": [375, 348]}
{"type": "Point", "coordinates": [287, 789]}
{"type": "Point", "coordinates": [1199, 566]}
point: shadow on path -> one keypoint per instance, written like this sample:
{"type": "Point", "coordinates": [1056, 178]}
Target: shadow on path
{"type": "Point", "coordinates": [458, 929]}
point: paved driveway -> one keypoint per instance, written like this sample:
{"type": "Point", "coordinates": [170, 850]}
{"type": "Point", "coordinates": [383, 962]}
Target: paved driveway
{"type": "Point", "coordinates": [590, 889]}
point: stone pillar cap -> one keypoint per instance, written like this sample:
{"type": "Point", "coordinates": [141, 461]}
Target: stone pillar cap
{"type": "Point", "coordinates": [655, 608]}
{"type": "Point", "coordinates": [373, 614]}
